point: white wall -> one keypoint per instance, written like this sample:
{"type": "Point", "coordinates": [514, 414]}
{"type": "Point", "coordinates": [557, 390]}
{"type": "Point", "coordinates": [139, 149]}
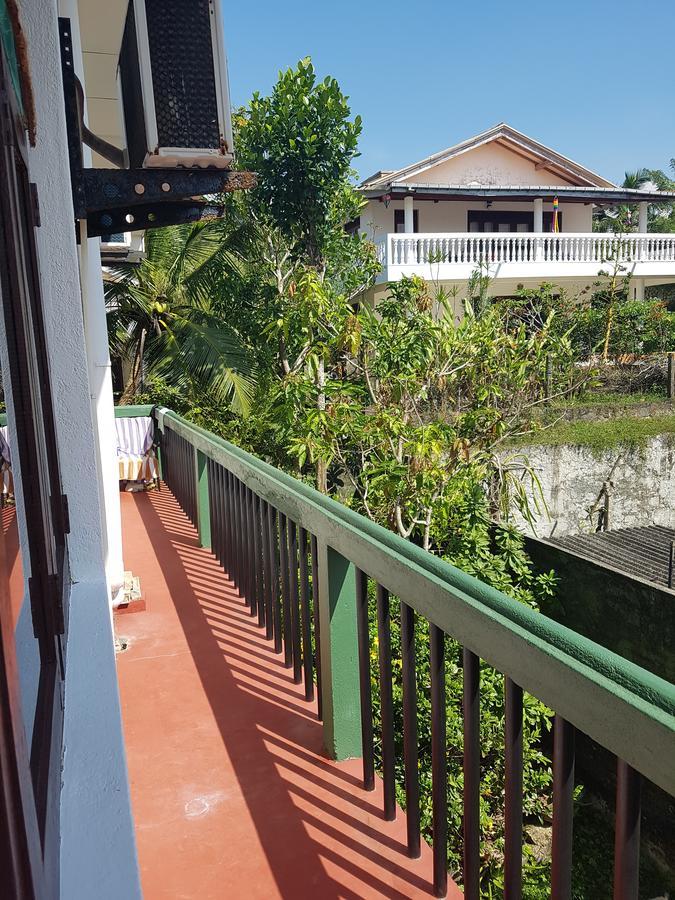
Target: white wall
{"type": "Point", "coordinates": [451, 215]}
{"type": "Point", "coordinates": [57, 250]}
{"type": "Point", "coordinates": [489, 164]}
{"type": "Point", "coordinates": [98, 857]}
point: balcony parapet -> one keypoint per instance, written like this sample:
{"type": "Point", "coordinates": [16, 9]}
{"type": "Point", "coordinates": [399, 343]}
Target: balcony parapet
{"type": "Point", "coordinates": [526, 254]}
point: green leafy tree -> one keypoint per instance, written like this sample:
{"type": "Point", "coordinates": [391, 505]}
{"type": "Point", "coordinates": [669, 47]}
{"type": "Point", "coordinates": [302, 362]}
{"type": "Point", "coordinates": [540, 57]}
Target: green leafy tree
{"type": "Point", "coordinates": [301, 142]}
{"type": "Point", "coordinates": [412, 428]}
{"type": "Point", "coordinates": [162, 321]}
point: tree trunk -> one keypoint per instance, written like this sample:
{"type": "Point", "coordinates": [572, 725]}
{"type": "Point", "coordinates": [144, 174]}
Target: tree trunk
{"type": "Point", "coordinates": [131, 387]}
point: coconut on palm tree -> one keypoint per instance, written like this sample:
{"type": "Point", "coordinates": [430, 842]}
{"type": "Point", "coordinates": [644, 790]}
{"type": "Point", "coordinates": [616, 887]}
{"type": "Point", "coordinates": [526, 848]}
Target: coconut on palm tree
{"type": "Point", "coordinates": [162, 321]}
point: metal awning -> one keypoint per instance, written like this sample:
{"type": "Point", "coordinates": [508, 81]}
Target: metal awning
{"type": "Point", "coordinates": [640, 552]}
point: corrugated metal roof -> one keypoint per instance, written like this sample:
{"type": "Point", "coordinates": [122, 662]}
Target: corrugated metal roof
{"type": "Point", "coordinates": [641, 552]}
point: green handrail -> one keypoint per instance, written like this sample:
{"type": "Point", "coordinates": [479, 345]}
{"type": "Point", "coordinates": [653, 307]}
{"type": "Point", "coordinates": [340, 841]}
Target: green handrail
{"type": "Point", "coordinates": [627, 709]}
{"type": "Point", "coordinates": [133, 412]}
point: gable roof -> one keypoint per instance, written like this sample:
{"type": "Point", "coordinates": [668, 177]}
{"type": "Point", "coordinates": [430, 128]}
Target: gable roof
{"type": "Point", "coordinates": [505, 136]}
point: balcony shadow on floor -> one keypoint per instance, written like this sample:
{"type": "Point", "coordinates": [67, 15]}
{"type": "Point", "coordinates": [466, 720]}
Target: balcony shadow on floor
{"type": "Point", "coordinates": [321, 834]}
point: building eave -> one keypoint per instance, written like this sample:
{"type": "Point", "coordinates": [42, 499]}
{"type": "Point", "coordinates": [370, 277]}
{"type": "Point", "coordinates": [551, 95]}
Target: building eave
{"type": "Point", "coordinates": [572, 194]}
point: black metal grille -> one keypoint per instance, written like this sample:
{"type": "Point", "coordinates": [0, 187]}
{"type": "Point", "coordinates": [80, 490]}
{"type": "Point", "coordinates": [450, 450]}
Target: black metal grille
{"type": "Point", "coordinates": [181, 55]}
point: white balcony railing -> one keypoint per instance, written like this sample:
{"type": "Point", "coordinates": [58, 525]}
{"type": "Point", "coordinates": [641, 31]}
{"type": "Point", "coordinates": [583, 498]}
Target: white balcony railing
{"type": "Point", "coordinates": [474, 248]}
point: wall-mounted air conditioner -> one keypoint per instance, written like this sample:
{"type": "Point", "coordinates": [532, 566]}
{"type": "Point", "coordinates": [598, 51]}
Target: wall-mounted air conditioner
{"type": "Point", "coordinates": [173, 83]}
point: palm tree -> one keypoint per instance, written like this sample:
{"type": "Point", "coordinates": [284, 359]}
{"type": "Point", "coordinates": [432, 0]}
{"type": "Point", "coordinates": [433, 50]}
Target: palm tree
{"type": "Point", "coordinates": [162, 318]}
{"type": "Point", "coordinates": [620, 218]}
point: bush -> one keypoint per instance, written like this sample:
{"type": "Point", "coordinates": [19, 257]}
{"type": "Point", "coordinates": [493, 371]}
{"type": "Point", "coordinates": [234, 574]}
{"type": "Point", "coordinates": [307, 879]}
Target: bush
{"type": "Point", "coordinates": [640, 327]}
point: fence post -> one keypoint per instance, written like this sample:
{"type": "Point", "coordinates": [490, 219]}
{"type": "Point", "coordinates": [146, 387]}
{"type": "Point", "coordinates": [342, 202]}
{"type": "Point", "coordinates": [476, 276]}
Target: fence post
{"type": "Point", "coordinates": [671, 376]}
{"type": "Point", "coordinates": [203, 515]}
{"type": "Point", "coordinates": [340, 692]}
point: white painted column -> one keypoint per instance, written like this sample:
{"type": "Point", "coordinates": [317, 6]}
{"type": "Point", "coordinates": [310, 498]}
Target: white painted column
{"type": "Point", "coordinates": [538, 225]}
{"type": "Point", "coordinates": [538, 214]}
{"type": "Point", "coordinates": [638, 285]}
{"type": "Point", "coordinates": [408, 214]}
{"type": "Point", "coordinates": [102, 404]}
{"type": "Point", "coordinates": [98, 362]}
{"type": "Point", "coordinates": [642, 221]}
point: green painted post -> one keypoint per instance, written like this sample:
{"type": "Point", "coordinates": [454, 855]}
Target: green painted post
{"type": "Point", "coordinates": [203, 515]}
{"type": "Point", "coordinates": [339, 654]}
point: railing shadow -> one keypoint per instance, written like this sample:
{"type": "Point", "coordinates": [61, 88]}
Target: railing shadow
{"type": "Point", "coordinates": [308, 813]}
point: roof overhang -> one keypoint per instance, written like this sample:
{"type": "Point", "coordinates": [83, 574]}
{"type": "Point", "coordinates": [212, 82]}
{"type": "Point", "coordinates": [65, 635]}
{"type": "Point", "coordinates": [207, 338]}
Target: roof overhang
{"type": "Point", "coordinates": [597, 195]}
{"type": "Point", "coordinates": [101, 31]}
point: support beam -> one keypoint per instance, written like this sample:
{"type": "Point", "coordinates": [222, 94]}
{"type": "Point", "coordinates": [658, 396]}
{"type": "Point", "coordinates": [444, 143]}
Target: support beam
{"type": "Point", "coordinates": [638, 288]}
{"type": "Point", "coordinates": [408, 214]}
{"type": "Point", "coordinates": [203, 512]}
{"type": "Point", "coordinates": [642, 221]}
{"type": "Point", "coordinates": [340, 689]}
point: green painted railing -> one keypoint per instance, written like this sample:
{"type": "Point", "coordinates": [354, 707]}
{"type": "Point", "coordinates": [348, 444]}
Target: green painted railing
{"type": "Point", "coordinates": [624, 708]}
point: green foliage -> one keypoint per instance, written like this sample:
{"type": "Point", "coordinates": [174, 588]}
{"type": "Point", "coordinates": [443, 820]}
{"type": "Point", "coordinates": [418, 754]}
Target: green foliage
{"type": "Point", "coordinates": [640, 327]}
{"type": "Point", "coordinates": [415, 408]}
{"type": "Point", "coordinates": [162, 321]}
{"type": "Point", "coordinates": [301, 142]}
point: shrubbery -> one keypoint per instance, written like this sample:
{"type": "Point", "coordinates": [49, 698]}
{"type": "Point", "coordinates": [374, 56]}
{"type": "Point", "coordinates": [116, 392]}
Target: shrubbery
{"type": "Point", "coordinates": [640, 328]}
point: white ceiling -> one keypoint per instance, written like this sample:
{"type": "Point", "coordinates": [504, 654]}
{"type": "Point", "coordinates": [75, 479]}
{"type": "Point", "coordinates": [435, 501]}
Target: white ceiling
{"type": "Point", "coordinates": [101, 29]}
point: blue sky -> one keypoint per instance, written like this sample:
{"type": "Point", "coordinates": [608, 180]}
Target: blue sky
{"type": "Point", "coordinates": [595, 80]}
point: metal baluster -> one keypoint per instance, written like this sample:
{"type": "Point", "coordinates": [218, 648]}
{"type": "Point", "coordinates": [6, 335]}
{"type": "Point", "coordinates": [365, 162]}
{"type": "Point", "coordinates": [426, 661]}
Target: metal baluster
{"type": "Point", "coordinates": [627, 832]}
{"type": "Point", "coordinates": [307, 660]}
{"type": "Point", "coordinates": [386, 702]}
{"type": "Point", "coordinates": [227, 480]}
{"type": "Point", "coordinates": [259, 558]}
{"type": "Point", "coordinates": [241, 542]}
{"type": "Point", "coordinates": [228, 510]}
{"type": "Point", "coordinates": [265, 517]}
{"type": "Point", "coordinates": [471, 694]}
{"type": "Point", "coordinates": [294, 601]}
{"type": "Point", "coordinates": [274, 575]}
{"type": "Point", "coordinates": [218, 511]}
{"type": "Point", "coordinates": [285, 590]}
{"type": "Point", "coordinates": [563, 809]}
{"type": "Point", "coordinates": [236, 532]}
{"type": "Point", "coordinates": [439, 761]}
{"type": "Point", "coordinates": [363, 634]}
{"type": "Point", "coordinates": [317, 625]}
{"type": "Point", "coordinates": [411, 767]}
{"type": "Point", "coordinates": [513, 793]}
{"type": "Point", "coordinates": [250, 554]}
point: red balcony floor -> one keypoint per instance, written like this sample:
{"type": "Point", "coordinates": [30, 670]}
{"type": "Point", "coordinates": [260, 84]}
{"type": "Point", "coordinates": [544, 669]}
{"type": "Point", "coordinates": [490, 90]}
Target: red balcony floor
{"type": "Point", "coordinates": [232, 794]}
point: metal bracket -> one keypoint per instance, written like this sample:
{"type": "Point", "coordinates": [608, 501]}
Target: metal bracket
{"type": "Point", "coordinates": [114, 200]}
{"type": "Point", "coordinates": [139, 218]}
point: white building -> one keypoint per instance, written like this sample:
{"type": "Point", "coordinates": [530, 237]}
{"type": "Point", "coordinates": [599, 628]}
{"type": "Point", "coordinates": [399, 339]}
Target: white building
{"type": "Point", "coordinates": [489, 201]}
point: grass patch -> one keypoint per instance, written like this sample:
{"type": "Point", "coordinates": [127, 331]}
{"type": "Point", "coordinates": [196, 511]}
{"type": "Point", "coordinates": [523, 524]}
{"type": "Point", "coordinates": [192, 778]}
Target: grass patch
{"type": "Point", "coordinates": [598, 436]}
{"type": "Point", "coordinates": [610, 399]}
